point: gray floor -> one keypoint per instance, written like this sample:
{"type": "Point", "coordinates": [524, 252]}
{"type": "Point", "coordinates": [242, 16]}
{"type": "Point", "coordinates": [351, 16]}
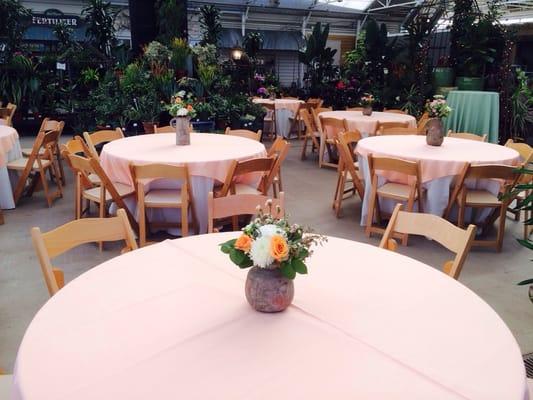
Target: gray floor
{"type": "Point", "coordinates": [309, 192]}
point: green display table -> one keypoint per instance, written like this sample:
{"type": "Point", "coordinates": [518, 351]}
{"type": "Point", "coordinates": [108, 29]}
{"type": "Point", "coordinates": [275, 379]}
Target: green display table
{"type": "Point", "coordinates": [474, 112]}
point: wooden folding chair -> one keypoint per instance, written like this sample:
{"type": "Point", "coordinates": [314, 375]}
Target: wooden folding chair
{"type": "Point", "coordinates": [104, 136]}
{"type": "Point", "coordinates": [480, 198]}
{"type": "Point", "coordinates": [296, 120]}
{"type": "Point", "coordinates": [315, 102]}
{"type": "Point", "coordinates": [348, 171]}
{"type": "Point", "coordinates": [421, 124]}
{"type": "Point", "coordinates": [410, 193]}
{"type": "Point", "coordinates": [101, 195]}
{"type": "Point", "coordinates": [237, 169]}
{"type": "Point", "coordinates": [270, 119]}
{"type": "Point", "coordinates": [467, 136]}
{"type": "Point", "coordinates": [2, 221]}
{"type": "Point", "coordinates": [43, 158]}
{"type": "Point", "coordinates": [279, 151]}
{"type": "Point", "coordinates": [164, 129]}
{"type": "Point", "coordinates": [390, 125]}
{"type": "Point", "coordinates": [241, 204]}
{"type": "Point", "coordinates": [163, 198]}
{"type": "Point", "coordinates": [354, 109]}
{"type": "Point", "coordinates": [311, 133]}
{"type": "Point", "coordinates": [526, 155]}
{"type": "Point", "coordinates": [75, 233]}
{"type": "Point", "coordinates": [435, 228]}
{"type": "Point", "coordinates": [11, 109]}
{"type": "Point", "coordinates": [245, 133]}
{"type": "Point", "coordinates": [331, 127]}
{"type": "Point", "coordinates": [394, 111]}
{"type": "Point", "coordinates": [396, 131]}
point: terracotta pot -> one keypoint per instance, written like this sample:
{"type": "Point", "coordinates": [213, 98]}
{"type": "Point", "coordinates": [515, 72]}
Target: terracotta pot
{"type": "Point", "coordinates": [183, 132]}
{"type": "Point", "coordinates": [367, 111]}
{"type": "Point", "coordinates": [434, 132]}
{"type": "Point", "coordinates": [148, 127]}
{"type": "Point", "coordinates": [267, 290]}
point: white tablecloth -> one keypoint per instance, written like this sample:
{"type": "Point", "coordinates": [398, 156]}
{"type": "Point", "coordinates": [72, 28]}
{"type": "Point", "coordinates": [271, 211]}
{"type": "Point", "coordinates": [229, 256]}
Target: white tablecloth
{"type": "Point", "coordinates": [285, 110]}
{"type": "Point", "coordinates": [9, 150]}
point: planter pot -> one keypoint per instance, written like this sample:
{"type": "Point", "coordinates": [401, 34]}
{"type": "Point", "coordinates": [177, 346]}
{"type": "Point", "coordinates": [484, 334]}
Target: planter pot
{"type": "Point", "coordinates": [469, 83]}
{"type": "Point", "coordinates": [148, 127]}
{"type": "Point", "coordinates": [203, 126]}
{"type": "Point", "coordinates": [221, 124]}
{"type": "Point", "coordinates": [443, 76]}
{"type": "Point", "coordinates": [434, 132]}
{"type": "Point", "coordinates": [183, 133]}
{"type": "Point", "coordinates": [367, 111]}
{"type": "Point", "coordinates": [267, 290]}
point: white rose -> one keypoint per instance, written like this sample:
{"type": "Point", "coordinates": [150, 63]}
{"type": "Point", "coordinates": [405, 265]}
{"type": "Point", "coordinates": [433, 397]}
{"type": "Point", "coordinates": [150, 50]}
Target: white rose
{"type": "Point", "coordinates": [182, 112]}
{"type": "Point", "coordinates": [260, 252]}
{"type": "Point", "coordinates": [270, 230]}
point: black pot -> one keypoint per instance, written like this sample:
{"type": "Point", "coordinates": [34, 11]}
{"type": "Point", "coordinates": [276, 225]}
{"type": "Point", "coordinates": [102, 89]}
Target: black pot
{"type": "Point", "coordinates": [203, 126]}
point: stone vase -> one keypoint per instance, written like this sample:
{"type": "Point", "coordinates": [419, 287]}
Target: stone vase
{"type": "Point", "coordinates": [183, 133]}
{"type": "Point", "coordinates": [434, 132]}
{"type": "Point", "coordinates": [367, 110]}
{"type": "Point", "coordinates": [267, 290]}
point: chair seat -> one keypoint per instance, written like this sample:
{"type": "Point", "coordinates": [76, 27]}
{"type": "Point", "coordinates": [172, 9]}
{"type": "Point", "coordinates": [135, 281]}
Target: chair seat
{"type": "Point", "coordinates": [395, 191]}
{"type": "Point", "coordinates": [163, 198]}
{"type": "Point", "coordinates": [481, 197]}
{"type": "Point", "coordinates": [93, 194]}
{"type": "Point", "coordinates": [95, 179]}
{"type": "Point", "coordinates": [241, 188]}
{"type": "Point", "coordinates": [20, 163]}
{"type": "Point", "coordinates": [26, 151]}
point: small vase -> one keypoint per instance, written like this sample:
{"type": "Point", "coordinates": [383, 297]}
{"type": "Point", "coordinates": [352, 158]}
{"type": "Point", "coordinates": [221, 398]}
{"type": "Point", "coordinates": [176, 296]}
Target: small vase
{"type": "Point", "coordinates": [267, 290]}
{"type": "Point", "coordinates": [183, 134]}
{"type": "Point", "coordinates": [148, 127]}
{"type": "Point", "coordinates": [367, 110]}
{"type": "Point", "coordinates": [434, 132]}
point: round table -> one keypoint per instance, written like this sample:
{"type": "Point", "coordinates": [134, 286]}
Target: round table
{"type": "Point", "coordinates": [171, 321]}
{"type": "Point", "coordinates": [285, 110]}
{"type": "Point", "coordinates": [208, 159]}
{"type": "Point", "coordinates": [9, 150]}
{"type": "Point", "coordinates": [368, 125]}
{"type": "Point", "coordinates": [438, 165]}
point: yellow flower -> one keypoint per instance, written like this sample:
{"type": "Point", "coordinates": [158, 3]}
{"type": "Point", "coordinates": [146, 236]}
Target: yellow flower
{"type": "Point", "coordinates": [177, 100]}
{"type": "Point", "coordinates": [244, 243]}
{"type": "Point", "coordinates": [279, 249]}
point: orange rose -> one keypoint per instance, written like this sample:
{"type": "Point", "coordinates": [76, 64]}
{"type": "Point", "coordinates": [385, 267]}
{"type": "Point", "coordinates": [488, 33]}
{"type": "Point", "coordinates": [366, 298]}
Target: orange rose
{"type": "Point", "coordinates": [189, 107]}
{"type": "Point", "coordinates": [279, 249]}
{"type": "Point", "coordinates": [244, 243]}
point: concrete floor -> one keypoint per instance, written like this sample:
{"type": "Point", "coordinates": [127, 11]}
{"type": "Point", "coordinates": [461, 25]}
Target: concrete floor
{"type": "Point", "coordinates": [309, 192]}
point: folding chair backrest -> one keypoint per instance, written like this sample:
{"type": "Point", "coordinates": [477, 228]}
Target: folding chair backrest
{"type": "Point", "coordinates": [389, 125]}
{"type": "Point", "coordinates": [468, 136]}
{"type": "Point", "coordinates": [333, 126]}
{"type": "Point", "coordinates": [308, 120]}
{"type": "Point", "coordinates": [491, 171]}
{"type": "Point", "coordinates": [393, 164]}
{"type": "Point", "coordinates": [75, 146]}
{"type": "Point", "coordinates": [524, 149]}
{"type": "Point", "coordinates": [436, 228]}
{"type": "Point", "coordinates": [164, 129]}
{"type": "Point", "coordinates": [245, 133]}
{"type": "Point", "coordinates": [278, 151]}
{"type": "Point", "coordinates": [94, 139]}
{"type": "Point", "coordinates": [240, 168]}
{"type": "Point", "coordinates": [55, 242]}
{"type": "Point", "coordinates": [242, 204]}
{"type": "Point", "coordinates": [52, 124]}
{"type": "Point", "coordinates": [346, 143]}
{"type": "Point", "coordinates": [394, 111]}
{"type": "Point", "coordinates": [315, 102]}
{"type": "Point", "coordinates": [354, 108]}
{"type": "Point", "coordinates": [397, 131]}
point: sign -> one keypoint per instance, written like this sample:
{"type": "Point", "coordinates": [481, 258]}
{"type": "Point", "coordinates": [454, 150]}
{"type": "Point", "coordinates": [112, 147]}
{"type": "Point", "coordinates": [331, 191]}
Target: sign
{"type": "Point", "coordinates": [55, 17]}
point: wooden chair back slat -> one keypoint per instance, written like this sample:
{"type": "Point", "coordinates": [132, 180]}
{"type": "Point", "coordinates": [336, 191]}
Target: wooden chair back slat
{"type": "Point", "coordinates": [94, 139]}
{"type": "Point", "coordinates": [394, 111]}
{"type": "Point", "coordinates": [390, 125]}
{"type": "Point", "coordinates": [153, 171]}
{"type": "Point", "coordinates": [393, 164]}
{"type": "Point", "coordinates": [524, 149]}
{"type": "Point", "coordinates": [397, 131]}
{"type": "Point", "coordinates": [493, 171]}
{"type": "Point", "coordinates": [468, 136]}
{"type": "Point", "coordinates": [245, 133]}
{"type": "Point", "coordinates": [239, 168]}
{"type": "Point", "coordinates": [164, 129]}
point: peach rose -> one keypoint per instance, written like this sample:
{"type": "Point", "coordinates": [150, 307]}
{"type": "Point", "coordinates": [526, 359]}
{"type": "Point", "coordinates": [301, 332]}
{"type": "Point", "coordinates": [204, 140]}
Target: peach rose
{"type": "Point", "coordinates": [279, 249]}
{"type": "Point", "coordinates": [244, 243]}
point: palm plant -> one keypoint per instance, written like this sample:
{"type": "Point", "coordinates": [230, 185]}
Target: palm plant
{"type": "Point", "coordinates": [210, 23]}
{"type": "Point", "coordinates": [100, 27]}
{"type": "Point", "coordinates": [14, 19]}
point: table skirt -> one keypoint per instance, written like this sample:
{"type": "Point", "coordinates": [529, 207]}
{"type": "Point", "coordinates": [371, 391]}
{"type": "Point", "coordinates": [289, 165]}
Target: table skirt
{"type": "Point", "coordinates": [8, 179]}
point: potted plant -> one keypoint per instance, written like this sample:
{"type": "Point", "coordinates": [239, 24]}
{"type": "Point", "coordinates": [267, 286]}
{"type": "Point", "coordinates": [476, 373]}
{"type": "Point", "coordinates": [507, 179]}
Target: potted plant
{"type": "Point", "coordinates": [367, 100]}
{"type": "Point", "coordinates": [147, 110]}
{"type": "Point", "coordinates": [437, 109]}
{"type": "Point", "coordinates": [443, 73]}
{"type": "Point", "coordinates": [203, 122]}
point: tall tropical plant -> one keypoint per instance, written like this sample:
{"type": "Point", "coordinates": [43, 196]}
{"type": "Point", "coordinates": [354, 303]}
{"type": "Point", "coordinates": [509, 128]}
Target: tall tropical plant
{"type": "Point", "coordinates": [100, 28]}
{"type": "Point", "coordinates": [253, 43]}
{"type": "Point", "coordinates": [14, 19]}
{"type": "Point", "coordinates": [171, 20]}
{"type": "Point", "coordinates": [210, 24]}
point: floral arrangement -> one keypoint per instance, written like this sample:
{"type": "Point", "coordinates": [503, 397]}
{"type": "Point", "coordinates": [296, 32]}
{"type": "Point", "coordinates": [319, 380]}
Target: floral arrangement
{"type": "Point", "coordinates": [263, 92]}
{"type": "Point", "coordinates": [181, 105]}
{"type": "Point", "coordinates": [438, 108]}
{"type": "Point", "coordinates": [367, 99]}
{"type": "Point", "coordinates": [271, 242]}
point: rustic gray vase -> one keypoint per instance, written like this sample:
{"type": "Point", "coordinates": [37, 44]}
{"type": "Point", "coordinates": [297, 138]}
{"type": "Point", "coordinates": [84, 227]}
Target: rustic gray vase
{"type": "Point", "coordinates": [183, 134]}
{"type": "Point", "coordinates": [267, 290]}
{"type": "Point", "coordinates": [530, 293]}
{"type": "Point", "coordinates": [434, 132]}
{"type": "Point", "coordinates": [367, 111]}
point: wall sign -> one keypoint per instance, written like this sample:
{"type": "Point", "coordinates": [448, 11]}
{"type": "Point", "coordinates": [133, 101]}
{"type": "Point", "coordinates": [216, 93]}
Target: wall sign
{"type": "Point", "coordinates": [54, 17]}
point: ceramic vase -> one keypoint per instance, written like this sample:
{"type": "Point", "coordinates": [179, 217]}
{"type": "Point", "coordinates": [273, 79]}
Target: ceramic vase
{"type": "Point", "coordinates": [267, 290]}
{"type": "Point", "coordinates": [434, 132]}
{"type": "Point", "coordinates": [183, 133]}
{"type": "Point", "coordinates": [367, 110]}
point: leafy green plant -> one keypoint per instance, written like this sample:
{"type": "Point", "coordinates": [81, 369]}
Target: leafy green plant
{"type": "Point", "coordinates": [356, 57]}
{"type": "Point", "coordinates": [180, 51]}
{"type": "Point", "coordinates": [146, 108]}
{"type": "Point", "coordinates": [171, 17]}
{"type": "Point", "coordinates": [522, 105]}
{"type": "Point", "coordinates": [14, 19]}
{"type": "Point", "coordinates": [253, 43]}
{"type": "Point", "coordinates": [100, 28]}
{"type": "Point", "coordinates": [19, 81]}
{"type": "Point", "coordinates": [210, 24]}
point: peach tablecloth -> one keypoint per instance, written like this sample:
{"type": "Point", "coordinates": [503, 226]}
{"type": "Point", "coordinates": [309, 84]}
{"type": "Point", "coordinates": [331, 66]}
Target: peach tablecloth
{"type": "Point", "coordinates": [368, 125]}
{"type": "Point", "coordinates": [208, 158]}
{"type": "Point", "coordinates": [9, 150]}
{"type": "Point", "coordinates": [285, 109]}
{"type": "Point", "coordinates": [171, 321]}
{"type": "Point", "coordinates": [438, 165]}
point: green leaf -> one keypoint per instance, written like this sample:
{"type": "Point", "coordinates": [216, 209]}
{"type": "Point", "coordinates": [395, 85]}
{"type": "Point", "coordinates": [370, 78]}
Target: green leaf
{"type": "Point", "coordinates": [227, 246]}
{"type": "Point", "coordinates": [237, 256]}
{"type": "Point", "coordinates": [303, 253]}
{"type": "Point", "coordinates": [526, 243]}
{"type": "Point", "coordinates": [287, 270]}
{"type": "Point", "coordinates": [299, 266]}
{"type": "Point", "coordinates": [526, 282]}
{"type": "Point", "coordinates": [247, 263]}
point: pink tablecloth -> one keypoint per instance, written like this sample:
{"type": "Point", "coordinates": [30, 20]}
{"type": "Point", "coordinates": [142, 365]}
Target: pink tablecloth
{"type": "Point", "coordinates": [8, 139]}
{"type": "Point", "coordinates": [171, 321]}
{"type": "Point", "coordinates": [208, 159]}
{"type": "Point", "coordinates": [436, 162]}
{"type": "Point", "coordinates": [368, 125]}
{"type": "Point", "coordinates": [281, 104]}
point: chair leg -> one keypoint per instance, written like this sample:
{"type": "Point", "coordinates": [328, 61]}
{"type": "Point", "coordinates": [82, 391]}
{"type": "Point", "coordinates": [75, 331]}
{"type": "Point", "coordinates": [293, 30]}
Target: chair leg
{"type": "Point", "coordinates": [184, 220]}
{"type": "Point", "coordinates": [303, 156]}
{"type": "Point", "coordinates": [142, 227]}
{"type": "Point", "coordinates": [1, 217]}
{"type": "Point", "coordinates": [321, 153]}
{"type": "Point", "coordinates": [501, 227]}
{"type": "Point", "coordinates": [461, 215]}
{"type": "Point", "coordinates": [42, 176]}
{"type": "Point", "coordinates": [370, 214]}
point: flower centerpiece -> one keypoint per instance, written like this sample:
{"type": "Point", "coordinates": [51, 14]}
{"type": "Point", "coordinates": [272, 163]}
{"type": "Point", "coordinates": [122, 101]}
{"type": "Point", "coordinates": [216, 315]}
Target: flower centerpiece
{"type": "Point", "coordinates": [367, 100]}
{"type": "Point", "coordinates": [263, 92]}
{"type": "Point", "coordinates": [437, 109]}
{"type": "Point", "coordinates": [276, 250]}
{"type": "Point", "coordinates": [182, 110]}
